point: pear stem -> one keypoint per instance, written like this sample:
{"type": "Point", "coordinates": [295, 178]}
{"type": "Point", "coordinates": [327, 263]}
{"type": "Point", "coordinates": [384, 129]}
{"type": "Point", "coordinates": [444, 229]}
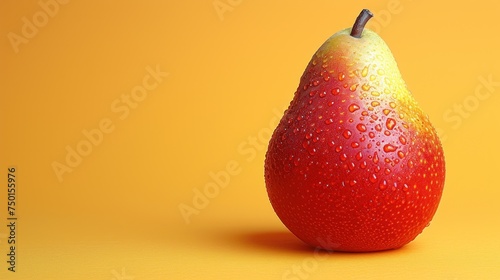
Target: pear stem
{"type": "Point", "coordinates": [360, 23]}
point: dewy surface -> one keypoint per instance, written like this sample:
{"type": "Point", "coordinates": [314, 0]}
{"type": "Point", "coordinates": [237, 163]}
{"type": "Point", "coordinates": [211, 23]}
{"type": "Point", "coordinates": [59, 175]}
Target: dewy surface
{"type": "Point", "coordinates": [354, 159]}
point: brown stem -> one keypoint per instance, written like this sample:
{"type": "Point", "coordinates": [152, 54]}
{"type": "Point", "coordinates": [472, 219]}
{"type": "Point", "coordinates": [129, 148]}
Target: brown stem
{"type": "Point", "coordinates": [360, 23]}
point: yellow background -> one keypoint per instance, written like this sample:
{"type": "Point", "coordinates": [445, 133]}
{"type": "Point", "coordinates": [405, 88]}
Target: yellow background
{"type": "Point", "coordinates": [116, 215]}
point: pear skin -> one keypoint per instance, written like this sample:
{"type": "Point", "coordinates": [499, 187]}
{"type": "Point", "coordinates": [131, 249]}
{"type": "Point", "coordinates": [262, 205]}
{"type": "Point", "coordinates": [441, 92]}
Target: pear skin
{"type": "Point", "coordinates": [354, 164]}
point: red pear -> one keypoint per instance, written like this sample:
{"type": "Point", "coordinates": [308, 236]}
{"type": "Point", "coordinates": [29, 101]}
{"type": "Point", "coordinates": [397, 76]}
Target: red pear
{"type": "Point", "coordinates": [354, 164]}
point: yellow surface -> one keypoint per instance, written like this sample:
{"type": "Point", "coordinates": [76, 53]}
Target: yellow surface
{"type": "Point", "coordinates": [77, 69]}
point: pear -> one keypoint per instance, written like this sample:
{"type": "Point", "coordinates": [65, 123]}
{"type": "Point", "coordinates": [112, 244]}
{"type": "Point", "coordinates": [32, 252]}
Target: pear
{"type": "Point", "coordinates": [354, 164]}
